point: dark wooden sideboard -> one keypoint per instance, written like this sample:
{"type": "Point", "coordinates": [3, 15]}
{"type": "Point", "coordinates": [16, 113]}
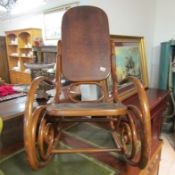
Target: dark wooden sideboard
{"type": "Point", "coordinates": [12, 135]}
{"type": "Point", "coordinates": [158, 100]}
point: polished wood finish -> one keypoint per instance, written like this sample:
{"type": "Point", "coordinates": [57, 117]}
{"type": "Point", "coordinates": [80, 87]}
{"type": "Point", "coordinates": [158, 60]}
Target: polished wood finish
{"type": "Point", "coordinates": [85, 150]}
{"type": "Point", "coordinates": [12, 112]}
{"type": "Point", "coordinates": [85, 44]}
{"type": "Point", "coordinates": [86, 57]}
{"type": "Point", "coordinates": [158, 100]}
{"type": "Point", "coordinates": [12, 134]}
{"type": "Point", "coordinates": [153, 166]}
{"type": "Point", "coordinates": [86, 109]}
{"type": "Point", "coordinates": [4, 72]}
{"type": "Point", "coordinates": [20, 77]}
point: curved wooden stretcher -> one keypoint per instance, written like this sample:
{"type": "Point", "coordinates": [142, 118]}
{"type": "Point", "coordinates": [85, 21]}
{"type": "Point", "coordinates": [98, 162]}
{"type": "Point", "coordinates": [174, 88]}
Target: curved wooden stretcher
{"type": "Point", "coordinates": [86, 56]}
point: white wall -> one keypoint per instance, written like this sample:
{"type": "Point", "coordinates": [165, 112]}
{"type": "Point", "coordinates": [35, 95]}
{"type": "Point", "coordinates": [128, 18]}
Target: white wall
{"type": "Point", "coordinates": [130, 17]}
{"type": "Point", "coordinates": [34, 19]}
{"type": "Point", "coordinates": [126, 17]}
{"type": "Point", "coordinates": [26, 21]}
{"type": "Point", "coordinates": [164, 31]}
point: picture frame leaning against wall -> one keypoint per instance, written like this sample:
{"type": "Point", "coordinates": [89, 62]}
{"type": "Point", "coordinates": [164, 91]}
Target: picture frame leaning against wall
{"type": "Point", "coordinates": [130, 60]}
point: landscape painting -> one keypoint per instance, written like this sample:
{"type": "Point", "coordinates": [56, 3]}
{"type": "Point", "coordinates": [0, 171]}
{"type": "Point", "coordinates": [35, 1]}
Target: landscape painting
{"type": "Point", "coordinates": [130, 60]}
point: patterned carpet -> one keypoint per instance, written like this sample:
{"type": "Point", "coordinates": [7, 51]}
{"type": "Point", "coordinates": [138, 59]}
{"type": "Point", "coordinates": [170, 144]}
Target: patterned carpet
{"type": "Point", "coordinates": [98, 137]}
{"type": "Point", "coordinates": [64, 164]}
{"type": "Point", "coordinates": [79, 135]}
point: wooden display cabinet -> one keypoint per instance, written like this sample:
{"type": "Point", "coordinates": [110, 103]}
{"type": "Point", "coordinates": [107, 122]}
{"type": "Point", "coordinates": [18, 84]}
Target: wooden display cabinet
{"type": "Point", "coordinates": [3, 60]}
{"type": "Point", "coordinates": [19, 50]}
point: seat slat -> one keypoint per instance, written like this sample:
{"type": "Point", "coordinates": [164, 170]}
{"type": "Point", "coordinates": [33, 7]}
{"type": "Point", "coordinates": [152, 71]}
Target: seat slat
{"type": "Point", "coordinates": [86, 109]}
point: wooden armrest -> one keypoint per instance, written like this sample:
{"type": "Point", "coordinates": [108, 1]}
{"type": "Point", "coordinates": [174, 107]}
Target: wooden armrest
{"type": "Point", "coordinates": [146, 120]}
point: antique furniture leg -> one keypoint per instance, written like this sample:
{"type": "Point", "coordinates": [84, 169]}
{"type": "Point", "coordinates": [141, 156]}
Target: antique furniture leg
{"type": "Point", "coordinates": [36, 137]}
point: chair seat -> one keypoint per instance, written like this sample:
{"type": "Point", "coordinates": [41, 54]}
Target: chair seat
{"type": "Point", "coordinates": [86, 109]}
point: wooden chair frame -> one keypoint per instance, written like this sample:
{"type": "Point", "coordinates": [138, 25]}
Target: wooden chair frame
{"type": "Point", "coordinates": [42, 130]}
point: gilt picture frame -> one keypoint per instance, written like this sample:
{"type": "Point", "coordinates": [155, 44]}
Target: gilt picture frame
{"type": "Point", "coordinates": [130, 61]}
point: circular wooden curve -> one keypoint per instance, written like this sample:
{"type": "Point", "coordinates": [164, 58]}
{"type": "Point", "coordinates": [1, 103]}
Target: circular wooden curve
{"type": "Point", "coordinates": [129, 134]}
{"type": "Point", "coordinates": [100, 88]}
{"type": "Point", "coordinates": [134, 129]}
{"type": "Point", "coordinates": [143, 116]}
{"type": "Point", "coordinates": [45, 139]}
{"type": "Point", "coordinates": [35, 160]}
{"type": "Point", "coordinates": [42, 139]}
{"type": "Point", "coordinates": [128, 137]}
{"type": "Point", "coordinates": [131, 139]}
{"type": "Point", "coordinates": [39, 134]}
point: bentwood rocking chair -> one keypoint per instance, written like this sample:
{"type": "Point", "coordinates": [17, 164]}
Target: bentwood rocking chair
{"type": "Point", "coordinates": [86, 56]}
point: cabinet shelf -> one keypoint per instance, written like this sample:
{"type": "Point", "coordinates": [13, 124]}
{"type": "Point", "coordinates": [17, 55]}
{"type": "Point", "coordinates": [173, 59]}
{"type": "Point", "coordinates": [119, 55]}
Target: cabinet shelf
{"type": "Point", "coordinates": [21, 43]}
{"type": "Point", "coordinates": [14, 56]}
{"type": "Point", "coordinates": [25, 48]}
{"type": "Point", "coordinates": [26, 57]}
{"type": "Point", "coordinates": [18, 71]}
{"type": "Point", "coordinates": [15, 45]}
{"type": "Point", "coordinates": [12, 70]}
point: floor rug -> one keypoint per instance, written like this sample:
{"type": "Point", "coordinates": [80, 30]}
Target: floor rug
{"type": "Point", "coordinates": [96, 136]}
{"type": "Point", "coordinates": [65, 164]}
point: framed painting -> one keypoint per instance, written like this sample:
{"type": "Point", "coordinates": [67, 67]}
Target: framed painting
{"type": "Point", "coordinates": [130, 61]}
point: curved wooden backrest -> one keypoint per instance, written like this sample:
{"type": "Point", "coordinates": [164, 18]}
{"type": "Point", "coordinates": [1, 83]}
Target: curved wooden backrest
{"type": "Point", "coordinates": [85, 44]}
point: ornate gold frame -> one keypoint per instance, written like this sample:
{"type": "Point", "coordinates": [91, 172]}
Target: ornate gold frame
{"type": "Point", "coordinates": [128, 90]}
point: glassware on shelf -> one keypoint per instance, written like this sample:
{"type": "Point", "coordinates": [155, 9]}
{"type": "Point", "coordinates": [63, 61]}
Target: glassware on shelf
{"type": "Point", "coordinates": [28, 45]}
{"type": "Point", "coordinates": [14, 54]}
{"type": "Point", "coordinates": [14, 41]}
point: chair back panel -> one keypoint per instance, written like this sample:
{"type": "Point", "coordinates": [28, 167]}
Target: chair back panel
{"type": "Point", "coordinates": [85, 44]}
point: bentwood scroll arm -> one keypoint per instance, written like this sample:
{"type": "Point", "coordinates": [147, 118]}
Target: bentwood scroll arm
{"type": "Point", "coordinates": [32, 90]}
{"type": "Point", "coordinates": [146, 120]}
{"type": "Point", "coordinates": [28, 119]}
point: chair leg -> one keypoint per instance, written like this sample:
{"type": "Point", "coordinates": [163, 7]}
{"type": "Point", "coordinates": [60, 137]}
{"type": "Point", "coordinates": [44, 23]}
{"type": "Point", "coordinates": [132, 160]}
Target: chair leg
{"type": "Point", "coordinates": [143, 136]}
{"type": "Point", "coordinates": [133, 128]}
{"type": "Point", "coordinates": [129, 136]}
{"type": "Point", "coordinates": [124, 131]}
{"type": "Point", "coordinates": [145, 121]}
{"type": "Point", "coordinates": [129, 131]}
{"type": "Point", "coordinates": [40, 138]}
{"type": "Point", "coordinates": [38, 133]}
